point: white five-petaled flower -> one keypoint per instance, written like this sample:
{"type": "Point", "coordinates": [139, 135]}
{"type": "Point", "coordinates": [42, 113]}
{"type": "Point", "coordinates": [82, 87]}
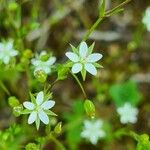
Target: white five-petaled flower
{"type": "Point", "coordinates": [128, 113]}
{"type": "Point", "coordinates": [93, 130]}
{"type": "Point", "coordinates": [146, 18]}
{"type": "Point", "coordinates": [38, 109]}
{"type": "Point", "coordinates": [44, 65]}
{"type": "Point", "coordinates": [83, 59]}
{"type": "Point", "coordinates": [7, 52]}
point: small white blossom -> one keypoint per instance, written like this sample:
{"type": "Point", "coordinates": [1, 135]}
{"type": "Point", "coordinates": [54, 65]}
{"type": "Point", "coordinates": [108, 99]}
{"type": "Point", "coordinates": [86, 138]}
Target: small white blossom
{"type": "Point", "coordinates": [7, 52]}
{"type": "Point", "coordinates": [146, 18]}
{"type": "Point", "coordinates": [83, 59]}
{"type": "Point", "coordinates": [39, 109]}
{"type": "Point", "coordinates": [93, 131]}
{"type": "Point", "coordinates": [128, 113]}
{"type": "Point", "coordinates": [44, 65]}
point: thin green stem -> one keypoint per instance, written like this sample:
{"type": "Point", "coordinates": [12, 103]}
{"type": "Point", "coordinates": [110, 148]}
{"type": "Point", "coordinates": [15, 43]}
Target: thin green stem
{"type": "Point", "coordinates": [4, 88]}
{"type": "Point", "coordinates": [59, 144]}
{"type": "Point", "coordinates": [79, 83]}
{"type": "Point", "coordinates": [94, 26]}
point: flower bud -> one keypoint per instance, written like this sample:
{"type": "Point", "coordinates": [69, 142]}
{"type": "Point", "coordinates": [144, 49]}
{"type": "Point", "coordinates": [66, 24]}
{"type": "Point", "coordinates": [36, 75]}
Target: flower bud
{"type": "Point", "coordinates": [27, 53]}
{"type": "Point", "coordinates": [58, 128]}
{"type": "Point", "coordinates": [13, 101]}
{"type": "Point", "coordinates": [44, 57]}
{"type": "Point", "coordinates": [89, 108]}
{"type": "Point", "coordinates": [31, 146]}
{"type": "Point", "coordinates": [40, 75]}
{"type": "Point", "coordinates": [17, 110]}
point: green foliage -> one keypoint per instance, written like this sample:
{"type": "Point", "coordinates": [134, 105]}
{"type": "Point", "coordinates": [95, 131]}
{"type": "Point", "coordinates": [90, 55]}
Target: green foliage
{"type": "Point", "coordinates": [32, 146]}
{"type": "Point", "coordinates": [125, 92]}
{"type": "Point", "coordinates": [10, 138]}
{"type": "Point", "coordinates": [74, 127]}
{"type": "Point", "coordinates": [143, 142]}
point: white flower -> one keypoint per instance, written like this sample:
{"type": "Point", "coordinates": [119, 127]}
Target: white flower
{"type": "Point", "coordinates": [146, 18]}
{"type": "Point", "coordinates": [128, 113]}
{"type": "Point", "coordinates": [39, 109]}
{"type": "Point", "coordinates": [44, 65]}
{"type": "Point", "coordinates": [7, 51]}
{"type": "Point", "coordinates": [83, 59]}
{"type": "Point", "coordinates": [93, 131]}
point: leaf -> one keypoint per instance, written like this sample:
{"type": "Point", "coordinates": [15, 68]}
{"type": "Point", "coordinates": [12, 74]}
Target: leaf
{"type": "Point", "coordinates": [74, 49]}
{"type": "Point", "coordinates": [49, 112]}
{"type": "Point", "coordinates": [125, 92]}
{"type": "Point", "coordinates": [102, 9]}
{"type": "Point", "coordinates": [90, 49]}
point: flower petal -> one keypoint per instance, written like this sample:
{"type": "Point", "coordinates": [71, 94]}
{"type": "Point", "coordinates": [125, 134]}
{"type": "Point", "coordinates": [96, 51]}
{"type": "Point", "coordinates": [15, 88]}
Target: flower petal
{"type": "Point", "coordinates": [39, 98]}
{"type": "Point", "coordinates": [6, 59]}
{"type": "Point", "coordinates": [51, 61]}
{"type": "Point", "coordinates": [43, 117]}
{"type": "Point", "coordinates": [90, 68]}
{"type": "Point", "coordinates": [72, 56]}
{"type": "Point", "coordinates": [32, 117]}
{"type": "Point", "coordinates": [77, 67]}
{"type": "Point", "coordinates": [28, 105]}
{"type": "Point", "coordinates": [94, 57]}
{"type": "Point", "coordinates": [83, 49]}
{"type": "Point", "coordinates": [48, 104]}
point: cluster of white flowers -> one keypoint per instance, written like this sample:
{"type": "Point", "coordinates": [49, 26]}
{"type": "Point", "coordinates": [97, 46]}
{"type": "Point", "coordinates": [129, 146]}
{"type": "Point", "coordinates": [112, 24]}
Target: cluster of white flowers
{"type": "Point", "coordinates": [42, 63]}
{"type": "Point", "coordinates": [128, 113]}
{"type": "Point", "coordinates": [83, 60]}
{"type": "Point", "coordinates": [93, 130]}
{"type": "Point", "coordinates": [39, 109]}
{"type": "Point", "coordinates": [146, 18]}
{"type": "Point", "coordinates": [7, 51]}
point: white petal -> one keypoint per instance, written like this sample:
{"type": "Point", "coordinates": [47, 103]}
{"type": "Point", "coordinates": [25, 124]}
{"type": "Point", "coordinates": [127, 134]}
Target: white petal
{"type": "Point", "coordinates": [43, 117]}
{"type": "Point", "coordinates": [76, 68]}
{"type": "Point", "coordinates": [39, 98]}
{"type": "Point", "coordinates": [83, 50]}
{"type": "Point", "coordinates": [72, 56]}
{"type": "Point", "coordinates": [32, 117]}
{"type": "Point", "coordinates": [90, 68]}
{"type": "Point", "coordinates": [9, 45]}
{"type": "Point", "coordinates": [94, 57]}
{"type": "Point", "coordinates": [35, 62]}
{"type": "Point", "coordinates": [13, 53]}
{"type": "Point", "coordinates": [29, 105]}
{"type": "Point", "coordinates": [6, 59]}
{"type": "Point", "coordinates": [48, 104]}
{"type": "Point", "coordinates": [51, 61]}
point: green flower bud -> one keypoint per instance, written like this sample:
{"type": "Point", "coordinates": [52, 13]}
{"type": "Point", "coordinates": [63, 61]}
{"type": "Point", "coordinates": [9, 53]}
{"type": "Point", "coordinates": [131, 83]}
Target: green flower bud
{"type": "Point", "coordinates": [17, 110]}
{"type": "Point", "coordinates": [41, 76]}
{"type": "Point", "coordinates": [44, 57]}
{"type": "Point", "coordinates": [27, 53]}
{"type": "Point", "coordinates": [13, 101]}
{"type": "Point", "coordinates": [89, 108]}
{"type": "Point", "coordinates": [58, 128]}
{"type": "Point", "coordinates": [31, 146]}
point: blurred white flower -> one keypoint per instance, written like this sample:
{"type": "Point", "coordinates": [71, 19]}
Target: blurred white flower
{"type": "Point", "coordinates": [39, 109]}
{"type": "Point", "coordinates": [7, 52]}
{"type": "Point", "coordinates": [93, 130]}
{"type": "Point", "coordinates": [43, 62]}
{"type": "Point", "coordinates": [128, 113]}
{"type": "Point", "coordinates": [83, 59]}
{"type": "Point", "coordinates": [146, 18]}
